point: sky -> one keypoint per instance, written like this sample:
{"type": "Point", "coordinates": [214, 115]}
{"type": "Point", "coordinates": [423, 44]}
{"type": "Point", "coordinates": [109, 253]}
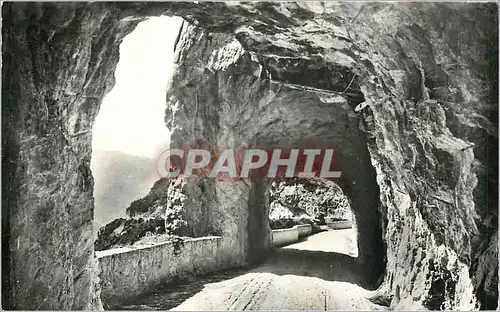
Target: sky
{"type": "Point", "coordinates": [131, 117]}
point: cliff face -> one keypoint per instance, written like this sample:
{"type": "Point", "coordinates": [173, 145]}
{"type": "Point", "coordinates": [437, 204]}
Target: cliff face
{"type": "Point", "coordinates": [53, 82]}
{"type": "Point", "coordinates": [316, 198]}
{"type": "Point", "coordinates": [406, 93]}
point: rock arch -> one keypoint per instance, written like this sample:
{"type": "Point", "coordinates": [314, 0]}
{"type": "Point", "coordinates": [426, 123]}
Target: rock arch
{"type": "Point", "coordinates": [240, 106]}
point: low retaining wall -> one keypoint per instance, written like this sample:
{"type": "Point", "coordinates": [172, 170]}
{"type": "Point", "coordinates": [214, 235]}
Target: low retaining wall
{"type": "Point", "coordinates": [304, 230]}
{"type": "Point", "coordinates": [284, 236]}
{"type": "Point", "coordinates": [340, 225]}
{"type": "Point", "coordinates": [129, 272]}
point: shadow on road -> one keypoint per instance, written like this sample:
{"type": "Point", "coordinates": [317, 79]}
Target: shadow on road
{"type": "Point", "coordinates": [167, 296]}
{"type": "Point", "coordinates": [328, 266]}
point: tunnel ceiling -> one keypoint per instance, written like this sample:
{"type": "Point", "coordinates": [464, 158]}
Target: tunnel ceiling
{"type": "Point", "coordinates": [343, 37]}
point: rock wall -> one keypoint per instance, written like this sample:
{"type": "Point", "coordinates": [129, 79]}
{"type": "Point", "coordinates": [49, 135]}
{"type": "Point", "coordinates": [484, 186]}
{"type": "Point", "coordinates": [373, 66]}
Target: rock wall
{"type": "Point", "coordinates": [420, 149]}
{"type": "Point", "coordinates": [56, 67]}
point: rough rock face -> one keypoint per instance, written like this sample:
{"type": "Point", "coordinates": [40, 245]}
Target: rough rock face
{"type": "Point", "coordinates": [314, 198]}
{"type": "Point", "coordinates": [421, 152]}
{"type": "Point", "coordinates": [53, 81]}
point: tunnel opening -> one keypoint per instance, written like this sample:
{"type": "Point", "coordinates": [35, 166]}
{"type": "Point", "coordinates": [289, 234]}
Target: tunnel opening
{"type": "Point", "coordinates": [339, 238]}
{"type": "Point", "coordinates": [329, 118]}
{"type": "Point", "coordinates": [129, 131]}
{"type": "Point", "coordinates": [319, 207]}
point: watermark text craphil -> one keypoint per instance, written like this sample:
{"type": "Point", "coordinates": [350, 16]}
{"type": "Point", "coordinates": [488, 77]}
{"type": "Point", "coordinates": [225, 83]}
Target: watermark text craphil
{"type": "Point", "coordinates": [248, 163]}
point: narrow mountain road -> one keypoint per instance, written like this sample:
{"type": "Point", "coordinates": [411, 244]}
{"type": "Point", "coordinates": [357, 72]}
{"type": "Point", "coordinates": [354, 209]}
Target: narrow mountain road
{"type": "Point", "coordinates": [318, 273]}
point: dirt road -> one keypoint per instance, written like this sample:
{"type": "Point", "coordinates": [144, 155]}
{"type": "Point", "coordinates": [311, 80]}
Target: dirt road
{"type": "Point", "coordinates": [315, 274]}
{"type": "Point", "coordinates": [340, 241]}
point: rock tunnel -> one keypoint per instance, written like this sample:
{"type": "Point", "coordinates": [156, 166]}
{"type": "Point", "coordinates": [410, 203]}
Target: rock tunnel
{"type": "Point", "coordinates": [250, 108]}
{"type": "Point", "coordinates": [408, 101]}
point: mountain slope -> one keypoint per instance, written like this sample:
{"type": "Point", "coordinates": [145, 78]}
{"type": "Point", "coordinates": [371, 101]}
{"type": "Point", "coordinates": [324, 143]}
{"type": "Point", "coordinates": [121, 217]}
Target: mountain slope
{"type": "Point", "coordinates": [119, 180]}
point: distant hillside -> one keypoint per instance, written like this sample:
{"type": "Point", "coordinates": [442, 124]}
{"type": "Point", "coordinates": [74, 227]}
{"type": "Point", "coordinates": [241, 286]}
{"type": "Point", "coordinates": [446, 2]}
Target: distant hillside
{"type": "Point", "coordinates": [155, 217]}
{"type": "Point", "coordinates": [119, 180]}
